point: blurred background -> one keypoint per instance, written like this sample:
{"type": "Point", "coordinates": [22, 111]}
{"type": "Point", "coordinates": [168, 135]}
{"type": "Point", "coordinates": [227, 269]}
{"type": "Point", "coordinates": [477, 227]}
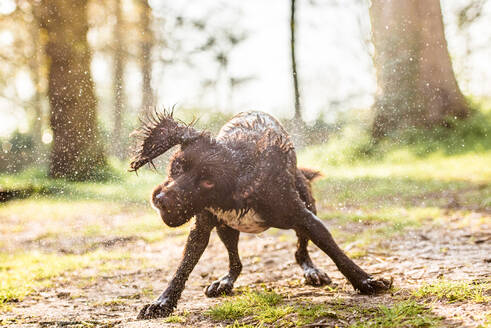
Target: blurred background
{"type": "Point", "coordinates": [75, 76]}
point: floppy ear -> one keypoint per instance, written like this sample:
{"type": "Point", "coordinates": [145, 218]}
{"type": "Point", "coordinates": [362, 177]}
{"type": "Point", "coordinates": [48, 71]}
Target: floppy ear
{"type": "Point", "coordinates": [159, 133]}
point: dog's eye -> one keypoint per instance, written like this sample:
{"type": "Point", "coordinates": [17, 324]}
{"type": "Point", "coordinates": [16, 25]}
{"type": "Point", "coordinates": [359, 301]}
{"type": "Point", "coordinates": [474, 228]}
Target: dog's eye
{"type": "Point", "coordinates": [208, 184]}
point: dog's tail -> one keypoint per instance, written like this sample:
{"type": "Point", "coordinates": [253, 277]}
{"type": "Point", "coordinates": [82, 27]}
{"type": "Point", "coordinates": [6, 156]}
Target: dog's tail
{"type": "Point", "coordinates": [310, 174]}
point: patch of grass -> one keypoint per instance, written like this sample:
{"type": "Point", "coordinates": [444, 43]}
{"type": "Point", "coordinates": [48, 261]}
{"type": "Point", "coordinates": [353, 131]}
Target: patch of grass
{"type": "Point", "coordinates": [400, 314]}
{"type": "Point", "coordinates": [311, 312]}
{"type": "Point", "coordinates": [258, 309]}
{"type": "Point", "coordinates": [455, 291]}
{"type": "Point", "coordinates": [230, 310]}
{"type": "Point", "coordinates": [353, 143]}
{"type": "Point", "coordinates": [176, 318]}
{"type": "Point", "coordinates": [22, 273]}
{"type": "Point", "coordinates": [264, 306]}
{"type": "Point", "coordinates": [237, 324]}
{"type": "Point", "coordinates": [396, 183]}
{"type": "Point", "coordinates": [124, 187]}
{"type": "Point", "coordinates": [400, 179]}
{"type": "Point", "coordinates": [272, 314]}
{"type": "Point", "coordinates": [460, 136]}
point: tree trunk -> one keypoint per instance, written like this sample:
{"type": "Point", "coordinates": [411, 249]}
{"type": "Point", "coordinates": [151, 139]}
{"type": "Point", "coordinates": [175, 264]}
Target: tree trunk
{"type": "Point", "coordinates": [77, 152]}
{"type": "Point", "coordinates": [416, 82]}
{"type": "Point", "coordinates": [298, 112]}
{"type": "Point", "coordinates": [118, 89]}
{"type": "Point", "coordinates": [146, 55]}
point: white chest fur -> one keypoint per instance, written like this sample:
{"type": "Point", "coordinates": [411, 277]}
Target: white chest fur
{"type": "Point", "coordinates": [250, 222]}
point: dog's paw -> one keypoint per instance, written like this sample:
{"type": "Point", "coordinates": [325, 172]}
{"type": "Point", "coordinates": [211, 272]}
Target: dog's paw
{"type": "Point", "coordinates": [316, 277]}
{"type": "Point", "coordinates": [373, 286]}
{"type": "Point", "coordinates": [158, 309]}
{"type": "Point", "coordinates": [220, 287]}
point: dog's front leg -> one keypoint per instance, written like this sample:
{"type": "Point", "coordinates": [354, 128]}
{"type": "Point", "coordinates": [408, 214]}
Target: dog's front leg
{"type": "Point", "coordinates": [310, 225]}
{"type": "Point", "coordinates": [224, 285]}
{"type": "Point", "coordinates": [195, 246]}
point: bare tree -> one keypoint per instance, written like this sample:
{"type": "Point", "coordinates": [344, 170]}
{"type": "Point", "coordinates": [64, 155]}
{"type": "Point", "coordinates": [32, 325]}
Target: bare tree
{"type": "Point", "coordinates": [298, 108]}
{"type": "Point", "coordinates": [77, 151]}
{"type": "Point", "coordinates": [146, 45]}
{"type": "Point", "coordinates": [416, 82]}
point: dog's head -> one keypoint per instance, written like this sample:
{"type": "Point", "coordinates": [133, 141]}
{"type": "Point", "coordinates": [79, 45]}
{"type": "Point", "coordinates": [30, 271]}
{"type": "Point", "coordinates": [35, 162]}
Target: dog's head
{"type": "Point", "coordinates": [201, 173]}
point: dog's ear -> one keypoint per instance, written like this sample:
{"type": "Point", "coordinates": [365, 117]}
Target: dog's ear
{"type": "Point", "coordinates": [159, 133]}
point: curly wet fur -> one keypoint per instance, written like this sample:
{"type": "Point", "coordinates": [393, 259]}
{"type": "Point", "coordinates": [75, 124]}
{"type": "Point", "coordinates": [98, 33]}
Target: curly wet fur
{"type": "Point", "coordinates": [245, 179]}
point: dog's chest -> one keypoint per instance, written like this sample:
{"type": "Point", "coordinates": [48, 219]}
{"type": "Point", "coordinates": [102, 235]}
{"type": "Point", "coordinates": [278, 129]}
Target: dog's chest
{"type": "Point", "coordinates": [250, 222]}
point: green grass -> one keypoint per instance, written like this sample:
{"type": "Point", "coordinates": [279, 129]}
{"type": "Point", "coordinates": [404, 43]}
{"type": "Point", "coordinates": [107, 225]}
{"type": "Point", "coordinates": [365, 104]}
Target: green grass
{"type": "Point", "coordinates": [461, 136]}
{"type": "Point", "coordinates": [22, 273]}
{"type": "Point", "coordinates": [437, 167]}
{"type": "Point", "coordinates": [433, 181]}
{"type": "Point", "coordinates": [408, 165]}
{"type": "Point", "coordinates": [309, 313]}
{"type": "Point", "coordinates": [420, 167]}
{"type": "Point", "coordinates": [237, 324]}
{"type": "Point", "coordinates": [456, 291]}
{"type": "Point", "coordinates": [124, 187]}
{"type": "Point", "coordinates": [353, 144]}
{"type": "Point", "coordinates": [176, 318]}
{"type": "Point", "coordinates": [400, 314]}
{"type": "Point", "coordinates": [400, 177]}
{"type": "Point", "coordinates": [263, 308]}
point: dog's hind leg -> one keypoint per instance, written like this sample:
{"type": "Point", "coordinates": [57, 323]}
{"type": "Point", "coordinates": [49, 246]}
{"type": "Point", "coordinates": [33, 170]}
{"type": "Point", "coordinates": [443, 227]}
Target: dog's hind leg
{"type": "Point", "coordinates": [313, 276]}
{"type": "Point", "coordinates": [224, 285]}
{"type": "Point", "coordinates": [310, 225]}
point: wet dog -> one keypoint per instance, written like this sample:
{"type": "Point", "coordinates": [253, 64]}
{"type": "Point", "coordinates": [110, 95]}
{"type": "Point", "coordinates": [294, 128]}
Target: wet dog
{"type": "Point", "coordinates": [245, 179]}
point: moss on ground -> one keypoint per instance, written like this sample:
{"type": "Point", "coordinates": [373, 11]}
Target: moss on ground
{"type": "Point", "coordinates": [456, 291]}
{"type": "Point", "coordinates": [268, 308]}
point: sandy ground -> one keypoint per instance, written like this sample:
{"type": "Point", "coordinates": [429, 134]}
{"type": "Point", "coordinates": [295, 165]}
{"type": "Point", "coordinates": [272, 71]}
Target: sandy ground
{"type": "Point", "coordinates": [456, 251]}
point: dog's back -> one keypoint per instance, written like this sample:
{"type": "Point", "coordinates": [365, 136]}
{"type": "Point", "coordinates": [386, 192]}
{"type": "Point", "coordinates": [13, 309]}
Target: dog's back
{"type": "Point", "coordinates": [255, 127]}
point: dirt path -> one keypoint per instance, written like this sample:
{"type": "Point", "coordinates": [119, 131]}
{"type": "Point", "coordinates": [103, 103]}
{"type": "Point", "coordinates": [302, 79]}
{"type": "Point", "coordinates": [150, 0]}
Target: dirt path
{"type": "Point", "coordinates": [457, 250]}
